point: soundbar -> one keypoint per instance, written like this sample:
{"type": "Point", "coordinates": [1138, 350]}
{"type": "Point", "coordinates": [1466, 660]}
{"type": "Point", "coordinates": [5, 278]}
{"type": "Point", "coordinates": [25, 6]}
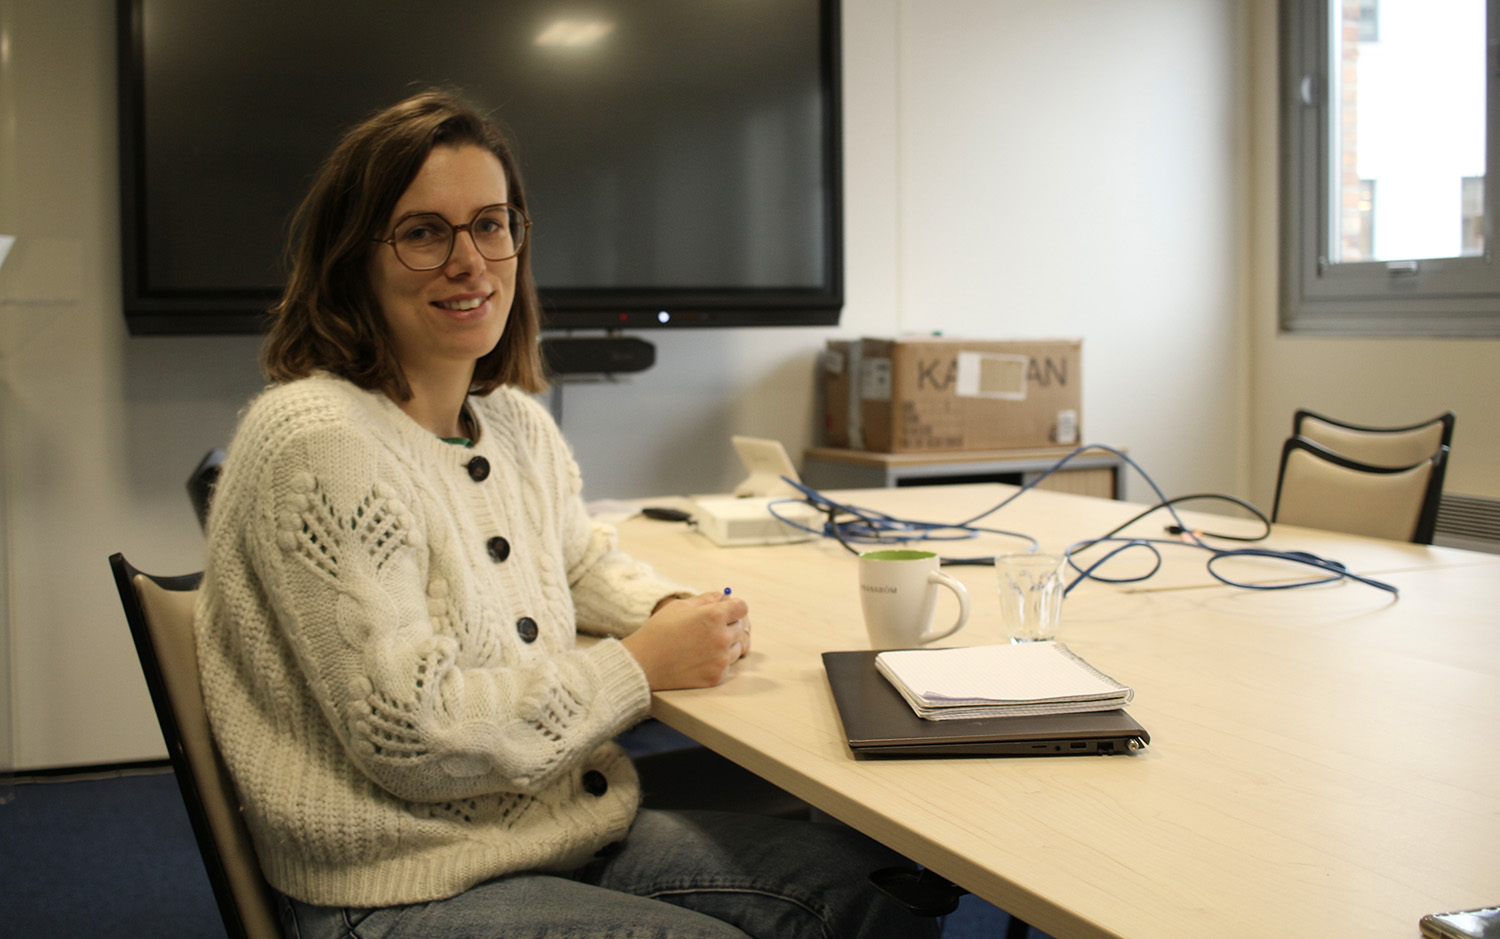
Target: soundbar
{"type": "Point", "coordinates": [597, 355]}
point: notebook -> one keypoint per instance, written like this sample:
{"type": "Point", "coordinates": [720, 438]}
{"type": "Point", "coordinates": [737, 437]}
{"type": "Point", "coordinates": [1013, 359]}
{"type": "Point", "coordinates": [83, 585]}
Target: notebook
{"type": "Point", "coordinates": [1005, 680]}
{"type": "Point", "coordinates": [878, 722]}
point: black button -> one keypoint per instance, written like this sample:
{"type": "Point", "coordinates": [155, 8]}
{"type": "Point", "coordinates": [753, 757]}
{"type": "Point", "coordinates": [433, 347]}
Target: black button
{"type": "Point", "coordinates": [498, 548]}
{"type": "Point", "coordinates": [479, 469]}
{"type": "Point", "coordinates": [526, 628]}
{"type": "Point", "coordinates": [594, 783]}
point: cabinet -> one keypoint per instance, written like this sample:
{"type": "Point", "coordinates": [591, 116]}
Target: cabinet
{"type": "Point", "coordinates": [1091, 473]}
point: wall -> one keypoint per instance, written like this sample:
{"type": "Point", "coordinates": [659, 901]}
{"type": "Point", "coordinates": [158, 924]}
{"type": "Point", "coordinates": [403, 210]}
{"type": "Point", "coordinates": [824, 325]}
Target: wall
{"type": "Point", "coordinates": [1374, 381]}
{"type": "Point", "coordinates": [1013, 168]}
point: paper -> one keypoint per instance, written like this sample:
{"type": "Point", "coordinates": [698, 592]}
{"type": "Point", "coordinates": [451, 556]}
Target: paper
{"type": "Point", "coordinates": [612, 511]}
{"type": "Point", "coordinates": [1000, 680]}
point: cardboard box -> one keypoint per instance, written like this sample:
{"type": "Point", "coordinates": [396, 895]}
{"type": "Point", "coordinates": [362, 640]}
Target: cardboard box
{"type": "Point", "coordinates": [934, 393]}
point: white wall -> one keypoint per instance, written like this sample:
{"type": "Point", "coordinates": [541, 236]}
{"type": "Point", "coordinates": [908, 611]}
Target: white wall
{"type": "Point", "coordinates": [1067, 169]}
{"type": "Point", "coordinates": [1012, 169]}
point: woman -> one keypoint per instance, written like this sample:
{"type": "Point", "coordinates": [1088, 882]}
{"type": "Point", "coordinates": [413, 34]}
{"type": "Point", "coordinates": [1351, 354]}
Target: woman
{"type": "Point", "coordinates": [399, 568]}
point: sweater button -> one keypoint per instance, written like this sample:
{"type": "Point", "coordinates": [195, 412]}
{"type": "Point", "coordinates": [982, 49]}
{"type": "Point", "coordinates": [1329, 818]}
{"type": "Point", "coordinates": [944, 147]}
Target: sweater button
{"type": "Point", "coordinates": [526, 628]}
{"type": "Point", "coordinates": [594, 783]}
{"type": "Point", "coordinates": [479, 469]}
{"type": "Point", "coordinates": [498, 548]}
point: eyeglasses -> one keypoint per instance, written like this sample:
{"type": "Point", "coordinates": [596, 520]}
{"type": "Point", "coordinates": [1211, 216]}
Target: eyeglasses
{"type": "Point", "coordinates": [424, 242]}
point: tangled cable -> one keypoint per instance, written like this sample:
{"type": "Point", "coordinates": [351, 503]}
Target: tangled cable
{"type": "Point", "coordinates": [853, 525]}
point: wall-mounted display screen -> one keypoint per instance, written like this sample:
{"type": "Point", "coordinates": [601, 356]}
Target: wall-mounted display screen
{"type": "Point", "coordinates": [682, 157]}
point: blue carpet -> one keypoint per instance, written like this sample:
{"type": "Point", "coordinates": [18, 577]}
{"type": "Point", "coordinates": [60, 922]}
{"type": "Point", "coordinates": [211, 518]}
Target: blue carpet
{"type": "Point", "coordinates": [104, 858]}
{"type": "Point", "coordinates": [115, 858]}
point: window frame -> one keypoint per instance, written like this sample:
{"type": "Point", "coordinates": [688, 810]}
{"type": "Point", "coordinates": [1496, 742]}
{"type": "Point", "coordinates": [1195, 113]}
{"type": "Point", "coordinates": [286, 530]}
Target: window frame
{"type": "Point", "coordinates": [1430, 297]}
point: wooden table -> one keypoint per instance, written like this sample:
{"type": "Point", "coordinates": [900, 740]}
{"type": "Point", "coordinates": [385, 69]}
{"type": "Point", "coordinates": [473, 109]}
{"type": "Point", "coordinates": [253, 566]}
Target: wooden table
{"type": "Point", "coordinates": [1321, 760]}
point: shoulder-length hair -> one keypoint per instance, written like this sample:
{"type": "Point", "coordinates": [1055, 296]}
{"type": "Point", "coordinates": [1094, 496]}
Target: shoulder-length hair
{"type": "Point", "coordinates": [328, 318]}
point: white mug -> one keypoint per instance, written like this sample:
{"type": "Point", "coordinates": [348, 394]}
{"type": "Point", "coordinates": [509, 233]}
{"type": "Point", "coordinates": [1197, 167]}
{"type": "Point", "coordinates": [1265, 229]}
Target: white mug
{"type": "Point", "coordinates": [898, 590]}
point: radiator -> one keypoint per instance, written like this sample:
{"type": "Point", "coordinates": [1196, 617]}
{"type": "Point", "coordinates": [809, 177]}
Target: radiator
{"type": "Point", "coordinates": [1471, 522]}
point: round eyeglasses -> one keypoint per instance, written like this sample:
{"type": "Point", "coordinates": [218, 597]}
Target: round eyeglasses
{"type": "Point", "coordinates": [424, 242]}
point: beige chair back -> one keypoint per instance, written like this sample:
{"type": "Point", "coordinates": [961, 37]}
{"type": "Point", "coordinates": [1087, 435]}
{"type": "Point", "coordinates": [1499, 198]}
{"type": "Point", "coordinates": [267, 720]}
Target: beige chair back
{"type": "Point", "coordinates": [1394, 447]}
{"type": "Point", "coordinates": [1318, 493]}
{"type": "Point", "coordinates": [160, 611]}
{"type": "Point", "coordinates": [1377, 449]}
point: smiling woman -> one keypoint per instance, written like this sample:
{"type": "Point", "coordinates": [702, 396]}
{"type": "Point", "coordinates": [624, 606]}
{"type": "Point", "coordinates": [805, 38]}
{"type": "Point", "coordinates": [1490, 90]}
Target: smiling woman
{"type": "Point", "coordinates": [430, 147]}
{"type": "Point", "coordinates": [399, 568]}
{"type": "Point", "coordinates": [445, 300]}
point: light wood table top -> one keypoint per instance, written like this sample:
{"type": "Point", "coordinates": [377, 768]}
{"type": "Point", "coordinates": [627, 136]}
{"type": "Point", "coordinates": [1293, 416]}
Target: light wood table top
{"type": "Point", "coordinates": [1320, 761]}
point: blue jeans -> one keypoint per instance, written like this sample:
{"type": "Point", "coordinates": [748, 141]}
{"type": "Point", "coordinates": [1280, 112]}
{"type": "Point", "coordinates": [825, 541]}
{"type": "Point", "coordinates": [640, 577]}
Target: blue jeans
{"type": "Point", "coordinates": [678, 875]}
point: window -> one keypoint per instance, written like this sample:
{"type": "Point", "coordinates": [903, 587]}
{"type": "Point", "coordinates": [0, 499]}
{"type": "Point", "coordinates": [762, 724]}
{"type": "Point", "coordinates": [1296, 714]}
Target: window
{"type": "Point", "coordinates": [1368, 20]}
{"type": "Point", "coordinates": [1389, 121]}
{"type": "Point", "coordinates": [1473, 220]}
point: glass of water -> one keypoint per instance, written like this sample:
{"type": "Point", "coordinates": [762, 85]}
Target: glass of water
{"type": "Point", "coordinates": [1031, 595]}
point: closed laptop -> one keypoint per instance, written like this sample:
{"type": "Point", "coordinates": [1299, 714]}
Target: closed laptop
{"type": "Point", "coordinates": [878, 722]}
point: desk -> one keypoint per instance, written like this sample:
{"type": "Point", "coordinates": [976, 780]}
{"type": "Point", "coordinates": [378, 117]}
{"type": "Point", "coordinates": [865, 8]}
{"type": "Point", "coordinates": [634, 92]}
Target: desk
{"type": "Point", "coordinates": [1092, 473]}
{"type": "Point", "coordinates": [1321, 760]}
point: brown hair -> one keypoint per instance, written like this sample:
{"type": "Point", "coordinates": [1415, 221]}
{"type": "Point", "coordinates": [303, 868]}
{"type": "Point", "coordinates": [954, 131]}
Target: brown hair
{"type": "Point", "coordinates": [328, 317]}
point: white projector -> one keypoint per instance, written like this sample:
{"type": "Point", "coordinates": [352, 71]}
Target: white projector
{"type": "Point", "coordinates": [732, 522]}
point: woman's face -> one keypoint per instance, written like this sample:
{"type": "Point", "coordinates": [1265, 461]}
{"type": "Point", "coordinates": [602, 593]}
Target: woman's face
{"type": "Point", "coordinates": [449, 317]}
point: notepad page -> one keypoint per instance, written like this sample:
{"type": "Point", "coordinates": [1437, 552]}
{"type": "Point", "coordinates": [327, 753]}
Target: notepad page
{"type": "Point", "coordinates": [1021, 672]}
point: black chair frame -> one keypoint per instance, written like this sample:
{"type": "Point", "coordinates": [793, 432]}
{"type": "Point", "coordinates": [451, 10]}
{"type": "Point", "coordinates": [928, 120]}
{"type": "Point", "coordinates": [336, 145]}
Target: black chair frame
{"type": "Point", "coordinates": [1446, 419]}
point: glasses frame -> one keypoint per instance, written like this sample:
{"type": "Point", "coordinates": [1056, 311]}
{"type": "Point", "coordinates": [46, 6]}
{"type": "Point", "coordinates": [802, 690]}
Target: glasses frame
{"type": "Point", "coordinates": [466, 227]}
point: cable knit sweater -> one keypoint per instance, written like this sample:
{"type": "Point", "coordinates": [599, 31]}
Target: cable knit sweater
{"type": "Point", "coordinates": [387, 645]}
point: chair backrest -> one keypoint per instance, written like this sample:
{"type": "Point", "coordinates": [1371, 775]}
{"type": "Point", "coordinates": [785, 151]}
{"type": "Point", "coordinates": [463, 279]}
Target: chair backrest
{"type": "Point", "coordinates": [160, 613]}
{"type": "Point", "coordinates": [1377, 446]}
{"type": "Point", "coordinates": [200, 484]}
{"type": "Point", "coordinates": [1318, 488]}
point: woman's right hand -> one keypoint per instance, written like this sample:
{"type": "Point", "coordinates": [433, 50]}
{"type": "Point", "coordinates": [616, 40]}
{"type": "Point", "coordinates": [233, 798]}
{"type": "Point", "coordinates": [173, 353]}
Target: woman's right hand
{"type": "Point", "coordinates": [692, 643]}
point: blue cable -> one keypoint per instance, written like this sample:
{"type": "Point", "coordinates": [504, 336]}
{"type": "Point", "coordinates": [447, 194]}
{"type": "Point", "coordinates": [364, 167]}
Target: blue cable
{"type": "Point", "coordinates": [869, 527]}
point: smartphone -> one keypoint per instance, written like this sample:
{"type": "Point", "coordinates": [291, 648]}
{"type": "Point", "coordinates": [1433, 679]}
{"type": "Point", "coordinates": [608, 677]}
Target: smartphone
{"type": "Point", "coordinates": [1463, 924]}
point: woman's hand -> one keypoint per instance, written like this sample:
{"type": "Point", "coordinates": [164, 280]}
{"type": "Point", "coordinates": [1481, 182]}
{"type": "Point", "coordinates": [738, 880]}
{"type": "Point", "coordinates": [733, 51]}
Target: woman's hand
{"type": "Point", "coordinates": [692, 643]}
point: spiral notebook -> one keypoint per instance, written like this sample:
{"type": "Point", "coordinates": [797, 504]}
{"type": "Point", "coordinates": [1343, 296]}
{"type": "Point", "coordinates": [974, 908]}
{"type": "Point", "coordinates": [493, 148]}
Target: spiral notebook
{"type": "Point", "coordinates": [1005, 680]}
{"type": "Point", "coordinates": [878, 722]}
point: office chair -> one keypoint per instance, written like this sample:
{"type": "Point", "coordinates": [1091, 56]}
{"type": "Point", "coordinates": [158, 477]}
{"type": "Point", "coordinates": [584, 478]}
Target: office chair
{"type": "Point", "coordinates": [1378, 446]}
{"type": "Point", "coordinates": [159, 611]}
{"type": "Point", "coordinates": [1317, 488]}
{"type": "Point", "coordinates": [200, 484]}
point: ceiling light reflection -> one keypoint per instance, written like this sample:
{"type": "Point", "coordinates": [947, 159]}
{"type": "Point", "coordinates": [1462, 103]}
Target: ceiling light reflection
{"type": "Point", "coordinates": [573, 34]}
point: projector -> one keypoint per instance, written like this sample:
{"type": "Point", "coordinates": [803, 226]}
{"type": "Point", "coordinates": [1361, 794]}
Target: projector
{"type": "Point", "coordinates": [731, 522]}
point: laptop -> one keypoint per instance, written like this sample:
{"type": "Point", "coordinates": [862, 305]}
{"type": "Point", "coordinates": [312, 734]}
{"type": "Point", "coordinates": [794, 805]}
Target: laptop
{"type": "Point", "coordinates": [878, 722]}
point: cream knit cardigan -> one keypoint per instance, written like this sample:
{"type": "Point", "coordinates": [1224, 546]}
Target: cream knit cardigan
{"type": "Point", "coordinates": [363, 646]}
